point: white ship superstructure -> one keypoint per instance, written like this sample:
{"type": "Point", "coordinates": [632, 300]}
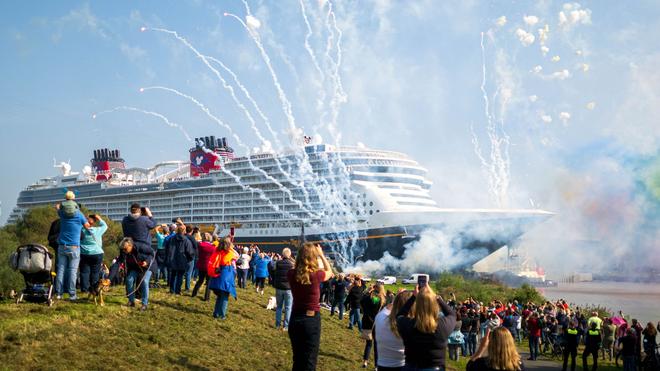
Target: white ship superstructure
{"type": "Point", "coordinates": [377, 199]}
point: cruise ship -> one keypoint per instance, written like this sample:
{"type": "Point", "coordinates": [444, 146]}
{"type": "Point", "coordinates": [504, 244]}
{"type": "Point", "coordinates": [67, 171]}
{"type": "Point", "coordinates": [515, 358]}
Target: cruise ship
{"type": "Point", "coordinates": [358, 202]}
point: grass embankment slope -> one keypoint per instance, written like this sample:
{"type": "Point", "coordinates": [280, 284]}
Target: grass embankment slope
{"type": "Point", "coordinates": [175, 333]}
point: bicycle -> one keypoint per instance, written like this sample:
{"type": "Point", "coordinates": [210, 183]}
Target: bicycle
{"type": "Point", "coordinates": [651, 361]}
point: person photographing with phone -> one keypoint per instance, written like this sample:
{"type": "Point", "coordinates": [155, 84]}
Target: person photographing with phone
{"type": "Point", "coordinates": [425, 333]}
{"type": "Point", "coordinates": [136, 226]}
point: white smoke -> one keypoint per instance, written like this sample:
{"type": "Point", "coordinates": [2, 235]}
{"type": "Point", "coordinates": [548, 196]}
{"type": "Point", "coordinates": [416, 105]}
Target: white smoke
{"type": "Point", "coordinates": [531, 20]}
{"type": "Point", "coordinates": [573, 14]}
{"type": "Point", "coordinates": [252, 22]}
{"type": "Point", "coordinates": [526, 38]}
{"type": "Point", "coordinates": [500, 21]}
{"type": "Point", "coordinates": [561, 75]}
{"type": "Point", "coordinates": [543, 34]}
{"type": "Point", "coordinates": [544, 50]}
{"type": "Point", "coordinates": [432, 253]}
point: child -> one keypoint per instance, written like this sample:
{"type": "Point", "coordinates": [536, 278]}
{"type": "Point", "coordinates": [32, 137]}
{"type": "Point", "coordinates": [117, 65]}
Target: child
{"type": "Point", "coordinates": [69, 206]}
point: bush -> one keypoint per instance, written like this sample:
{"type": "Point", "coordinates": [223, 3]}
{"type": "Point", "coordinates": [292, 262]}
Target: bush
{"type": "Point", "coordinates": [9, 279]}
{"type": "Point", "coordinates": [527, 293]}
{"type": "Point", "coordinates": [33, 228]}
{"type": "Point", "coordinates": [483, 290]}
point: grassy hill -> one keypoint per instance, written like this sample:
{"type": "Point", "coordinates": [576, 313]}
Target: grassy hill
{"type": "Point", "coordinates": [175, 333]}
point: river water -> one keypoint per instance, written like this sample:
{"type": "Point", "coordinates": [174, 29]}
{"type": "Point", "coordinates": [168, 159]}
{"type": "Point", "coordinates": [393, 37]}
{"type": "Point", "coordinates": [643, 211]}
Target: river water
{"type": "Point", "coordinates": [638, 300]}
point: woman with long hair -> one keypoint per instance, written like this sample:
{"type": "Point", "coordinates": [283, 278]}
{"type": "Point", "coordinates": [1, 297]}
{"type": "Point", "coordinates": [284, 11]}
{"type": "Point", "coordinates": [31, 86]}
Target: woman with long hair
{"type": "Point", "coordinates": [222, 270]}
{"type": "Point", "coordinates": [305, 322]}
{"type": "Point", "coordinates": [502, 353]}
{"type": "Point", "coordinates": [388, 342]}
{"type": "Point", "coordinates": [370, 305]}
{"type": "Point", "coordinates": [648, 339]}
{"type": "Point", "coordinates": [425, 333]}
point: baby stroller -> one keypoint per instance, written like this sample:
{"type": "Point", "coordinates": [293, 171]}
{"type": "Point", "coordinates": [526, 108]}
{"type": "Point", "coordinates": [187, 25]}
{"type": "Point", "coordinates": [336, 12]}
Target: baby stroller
{"type": "Point", "coordinates": [36, 264]}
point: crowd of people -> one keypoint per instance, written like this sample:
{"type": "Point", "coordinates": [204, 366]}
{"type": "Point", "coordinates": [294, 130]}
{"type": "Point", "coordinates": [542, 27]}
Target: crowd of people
{"type": "Point", "coordinates": [404, 330]}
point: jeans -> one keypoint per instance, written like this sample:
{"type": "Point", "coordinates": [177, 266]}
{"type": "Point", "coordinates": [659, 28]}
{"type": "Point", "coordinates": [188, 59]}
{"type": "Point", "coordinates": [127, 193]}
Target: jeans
{"type": "Point", "coordinates": [471, 342]}
{"type": "Point", "coordinates": [572, 353]}
{"type": "Point", "coordinates": [533, 347]}
{"type": "Point", "coordinates": [176, 280]}
{"type": "Point", "coordinates": [221, 304]}
{"type": "Point", "coordinates": [242, 277]}
{"type": "Point", "coordinates": [284, 299]}
{"type": "Point", "coordinates": [355, 318]}
{"type": "Point", "coordinates": [131, 280]}
{"type": "Point", "coordinates": [338, 302]}
{"type": "Point", "coordinates": [162, 268]}
{"type": "Point", "coordinates": [189, 272]}
{"type": "Point", "coordinates": [464, 349]}
{"type": "Point", "coordinates": [68, 259]}
{"type": "Point", "coordinates": [90, 269]}
{"type": "Point", "coordinates": [628, 363]}
{"type": "Point", "coordinates": [453, 351]}
{"type": "Point", "coordinates": [202, 277]}
{"type": "Point", "coordinates": [305, 336]}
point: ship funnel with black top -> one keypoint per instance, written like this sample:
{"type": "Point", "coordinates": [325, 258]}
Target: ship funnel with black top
{"type": "Point", "coordinates": [104, 162]}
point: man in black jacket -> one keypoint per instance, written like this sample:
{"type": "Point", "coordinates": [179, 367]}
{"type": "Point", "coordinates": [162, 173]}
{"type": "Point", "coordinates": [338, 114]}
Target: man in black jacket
{"type": "Point", "coordinates": [179, 253]}
{"type": "Point", "coordinates": [283, 289]}
{"type": "Point", "coordinates": [339, 295]}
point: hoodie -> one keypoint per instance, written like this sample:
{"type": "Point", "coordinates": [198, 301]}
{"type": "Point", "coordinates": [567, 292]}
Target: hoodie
{"type": "Point", "coordinates": [137, 227]}
{"type": "Point", "coordinates": [179, 252]}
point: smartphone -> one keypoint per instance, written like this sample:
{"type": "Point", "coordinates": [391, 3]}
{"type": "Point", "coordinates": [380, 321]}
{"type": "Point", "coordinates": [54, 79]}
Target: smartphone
{"type": "Point", "coordinates": [422, 281]}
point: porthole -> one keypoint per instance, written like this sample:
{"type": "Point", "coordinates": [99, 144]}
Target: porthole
{"type": "Point", "coordinates": [371, 212]}
{"type": "Point", "coordinates": [371, 203]}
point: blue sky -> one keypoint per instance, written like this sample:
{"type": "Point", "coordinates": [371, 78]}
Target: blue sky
{"type": "Point", "coordinates": [411, 72]}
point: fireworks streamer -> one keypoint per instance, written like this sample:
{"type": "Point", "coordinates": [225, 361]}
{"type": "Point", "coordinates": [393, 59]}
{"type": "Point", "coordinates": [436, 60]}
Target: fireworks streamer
{"type": "Point", "coordinates": [320, 103]}
{"type": "Point", "coordinates": [497, 167]}
{"type": "Point", "coordinates": [150, 113]}
{"type": "Point", "coordinates": [239, 142]}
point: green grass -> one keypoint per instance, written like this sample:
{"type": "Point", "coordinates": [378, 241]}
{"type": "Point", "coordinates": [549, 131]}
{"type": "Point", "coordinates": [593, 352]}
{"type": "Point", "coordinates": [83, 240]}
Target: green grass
{"type": "Point", "coordinates": [175, 333]}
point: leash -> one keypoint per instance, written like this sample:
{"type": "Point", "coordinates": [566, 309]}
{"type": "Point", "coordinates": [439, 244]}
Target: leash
{"type": "Point", "coordinates": [142, 279]}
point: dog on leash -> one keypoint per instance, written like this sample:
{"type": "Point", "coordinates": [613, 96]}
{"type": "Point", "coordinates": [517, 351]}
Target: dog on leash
{"type": "Point", "coordinates": [272, 303]}
{"type": "Point", "coordinates": [97, 292]}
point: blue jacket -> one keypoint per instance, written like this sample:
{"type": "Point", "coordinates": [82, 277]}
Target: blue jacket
{"type": "Point", "coordinates": [92, 242]}
{"type": "Point", "coordinates": [70, 228]}
{"type": "Point", "coordinates": [179, 252]}
{"type": "Point", "coordinates": [138, 229]}
{"type": "Point", "coordinates": [226, 281]}
{"type": "Point", "coordinates": [261, 267]}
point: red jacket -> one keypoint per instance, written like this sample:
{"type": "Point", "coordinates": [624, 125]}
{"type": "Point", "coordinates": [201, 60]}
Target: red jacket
{"type": "Point", "coordinates": [533, 327]}
{"type": "Point", "coordinates": [205, 251]}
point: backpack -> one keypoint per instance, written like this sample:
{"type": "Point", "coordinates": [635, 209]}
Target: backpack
{"type": "Point", "coordinates": [240, 261]}
{"type": "Point", "coordinates": [456, 337]}
{"type": "Point", "coordinates": [54, 234]}
{"type": "Point", "coordinates": [69, 208]}
{"type": "Point", "coordinates": [31, 259]}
